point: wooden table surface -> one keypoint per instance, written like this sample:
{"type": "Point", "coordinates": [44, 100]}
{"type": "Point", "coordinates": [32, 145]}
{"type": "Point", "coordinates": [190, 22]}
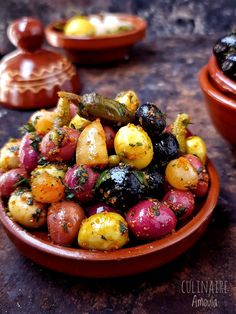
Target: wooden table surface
{"type": "Point", "coordinates": [164, 71]}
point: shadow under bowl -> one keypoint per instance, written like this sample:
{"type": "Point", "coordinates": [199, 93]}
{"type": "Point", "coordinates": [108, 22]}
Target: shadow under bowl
{"type": "Point", "coordinates": [123, 262]}
{"type": "Point", "coordinates": [221, 107]}
{"type": "Point", "coordinates": [97, 49]}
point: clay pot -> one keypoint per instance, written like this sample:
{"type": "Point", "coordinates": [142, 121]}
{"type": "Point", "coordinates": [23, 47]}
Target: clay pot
{"type": "Point", "coordinates": [30, 77]}
{"type": "Point", "coordinates": [220, 97]}
{"type": "Point", "coordinates": [97, 49]}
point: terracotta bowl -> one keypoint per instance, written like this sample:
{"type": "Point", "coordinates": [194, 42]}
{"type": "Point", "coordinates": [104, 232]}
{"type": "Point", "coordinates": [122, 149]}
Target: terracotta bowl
{"type": "Point", "coordinates": [220, 100]}
{"type": "Point", "coordinates": [98, 49]}
{"type": "Point", "coordinates": [123, 262]}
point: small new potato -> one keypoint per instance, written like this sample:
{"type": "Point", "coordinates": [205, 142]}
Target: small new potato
{"type": "Point", "coordinates": [79, 26]}
{"type": "Point", "coordinates": [26, 210]}
{"type": "Point", "coordinates": [78, 122]}
{"type": "Point", "coordinates": [129, 99]}
{"type": "Point", "coordinates": [134, 146]}
{"type": "Point", "coordinates": [196, 146]}
{"type": "Point", "coordinates": [9, 155]}
{"type": "Point", "coordinates": [42, 120]}
{"type": "Point", "coordinates": [103, 231]}
{"type": "Point", "coordinates": [181, 174]}
{"type": "Point", "coordinates": [64, 220]}
{"type": "Point", "coordinates": [46, 183]}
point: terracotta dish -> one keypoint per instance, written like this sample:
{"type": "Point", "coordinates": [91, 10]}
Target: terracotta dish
{"type": "Point", "coordinates": [123, 262]}
{"type": "Point", "coordinates": [30, 77]}
{"type": "Point", "coordinates": [220, 97]}
{"type": "Point", "coordinates": [97, 49]}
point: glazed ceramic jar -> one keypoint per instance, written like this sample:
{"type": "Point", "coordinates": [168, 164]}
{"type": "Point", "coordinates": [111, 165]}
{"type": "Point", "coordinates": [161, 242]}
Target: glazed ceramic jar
{"type": "Point", "coordinates": [220, 96]}
{"type": "Point", "coordinates": [31, 76]}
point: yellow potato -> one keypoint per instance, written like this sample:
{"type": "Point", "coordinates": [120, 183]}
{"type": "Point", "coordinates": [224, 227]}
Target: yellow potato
{"type": "Point", "coordinates": [79, 26]}
{"type": "Point", "coordinates": [42, 120]}
{"type": "Point", "coordinates": [133, 146]}
{"type": "Point", "coordinates": [91, 146]}
{"type": "Point", "coordinates": [181, 175]}
{"type": "Point", "coordinates": [103, 231]}
{"type": "Point", "coordinates": [46, 184]}
{"type": "Point", "coordinates": [130, 99]}
{"type": "Point", "coordinates": [25, 210]}
{"type": "Point", "coordinates": [78, 123]}
{"type": "Point", "coordinates": [196, 146]}
{"type": "Point", "coordinates": [9, 155]}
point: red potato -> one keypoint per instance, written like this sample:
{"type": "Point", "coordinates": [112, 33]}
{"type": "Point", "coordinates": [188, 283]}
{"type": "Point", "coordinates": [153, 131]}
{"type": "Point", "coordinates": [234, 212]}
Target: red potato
{"type": "Point", "coordinates": [181, 202]}
{"type": "Point", "coordinates": [64, 220]}
{"type": "Point", "coordinates": [29, 152]}
{"type": "Point", "coordinates": [150, 220]}
{"type": "Point", "coordinates": [80, 181]}
{"type": "Point", "coordinates": [12, 179]}
{"type": "Point", "coordinates": [73, 110]}
{"type": "Point", "coordinates": [59, 144]}
{"type": "Point", "coordinates": [110, 135]}
{"type": "Point", "coordinates": [203, 177]}
{"type": "Point", "coordinates": [100, 208]}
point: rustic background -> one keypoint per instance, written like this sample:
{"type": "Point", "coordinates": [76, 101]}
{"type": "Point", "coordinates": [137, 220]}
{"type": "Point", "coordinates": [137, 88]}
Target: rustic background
{"type": "Point", "coordinates": [163, 69]}
{"type": "Point", "coordinates": [165, 17]}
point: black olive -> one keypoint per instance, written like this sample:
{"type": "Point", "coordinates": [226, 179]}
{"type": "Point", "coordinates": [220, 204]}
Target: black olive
{"type": "Point", "coordinates": [151, 118]}
{"type": "Point", "coordinates": [155, 183]}
{"type": "Point", "coordinates": [165, 148]}
{"type": "Point", "coordinates": [121, 186]}
{"type": "Point", "coordinates": [229, 66]}
{"type": "Point", "coordinates": [223, 46]}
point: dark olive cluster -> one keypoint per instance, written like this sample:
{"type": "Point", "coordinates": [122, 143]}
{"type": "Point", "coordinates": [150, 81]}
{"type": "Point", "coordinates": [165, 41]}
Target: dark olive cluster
{"type": "Point", "coordinates": [153, 121]}
{"type": "Point", "coordinates": [225, 53]}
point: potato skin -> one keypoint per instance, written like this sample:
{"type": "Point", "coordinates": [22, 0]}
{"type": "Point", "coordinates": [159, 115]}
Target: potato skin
{"type": "Point", "coordinates": [9, 155]}
{"type": "Point", "coordinates": [103, 231]}
{"type": "Point", "coordinates": [46, 184]}
{"type": "Point", "coordinates": [42, 120]}
{"type": "Point", "coordinates": [150, 220]}
{"type": "Point", "coordinates": [25, 210]}
{"type": "Point", "coordinates": [59, 144]}
{"type": "Point", "coordinates": [134, 146]}
{"type": "Point", "coordinates": [10, 180]}
{"type": "Point", "coordinates": [64, 220]}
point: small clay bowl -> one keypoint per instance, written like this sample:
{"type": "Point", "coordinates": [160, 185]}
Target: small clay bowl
{"type": "Point", "coordinates": [123, 262]}
{"type": "Point", "coordinates": [222, 82]}
{"type": "Point", "coordinates": [220, 100]}
{"type": "Point", "coordinates": [97, 49]}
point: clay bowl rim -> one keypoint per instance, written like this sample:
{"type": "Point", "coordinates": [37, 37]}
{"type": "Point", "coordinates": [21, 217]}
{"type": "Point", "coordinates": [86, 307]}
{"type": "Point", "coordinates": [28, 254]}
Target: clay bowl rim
{"type": "Point", "coordinates": [127, 38]}
{"type": "Point", "coordinates": [210, 90]}
{"type": "Point", "coordinates": [21, 235]}
{"type": "Point", "coordinates": [223, 82]}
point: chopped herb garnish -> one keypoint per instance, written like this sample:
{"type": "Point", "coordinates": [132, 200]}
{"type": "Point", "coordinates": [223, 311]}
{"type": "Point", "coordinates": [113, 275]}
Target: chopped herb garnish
{"type": "Point", "coordinates": [123, 228]}
{"type": "Point", "coordinates": [82, 177]}
{"type": "Point", "coordinates": [131, 144]}
{"type": "Point", "coordinates": [36, 215]}
{"type": "Point", "coordinates": [139, 144]}
{"type": "Point", "coordinates": [43, 161]}
{"type": "Point", "coordinates": [30, 201]}
{"type": "Point", "coordinates": [27, 128]}
{"type": "Point", "coordinates": [35, 143]}
{"type": "Point", "coordinates": [156, 210]}
{"type": "Point", "coordinates": [65, 226]}
{"type": "Point", "coordinates": [22, 180]}
{"type": "Point", "coordinates": [180, 212]}
{"type": "Point", "coordinates": [72, 126]}
{"type": "Point", "coordinates": [14, 148]}
{"type": "Point", "coordinates": [102, 237]}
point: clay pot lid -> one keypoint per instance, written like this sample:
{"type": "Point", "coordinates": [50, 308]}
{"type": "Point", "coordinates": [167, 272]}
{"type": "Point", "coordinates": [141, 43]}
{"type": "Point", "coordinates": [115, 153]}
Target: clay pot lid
{"type": "Point", "coordinates": [33, 73]}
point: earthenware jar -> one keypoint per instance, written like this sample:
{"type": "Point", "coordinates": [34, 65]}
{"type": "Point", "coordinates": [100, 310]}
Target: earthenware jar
{"type": "Point", "coordinates": [220, 97]}
{"type": "Point", "coordinates": [31, 76]}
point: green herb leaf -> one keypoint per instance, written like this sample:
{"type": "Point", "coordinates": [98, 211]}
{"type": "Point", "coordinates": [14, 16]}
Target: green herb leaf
{"type": "Point", "coordinates": [36, 215]}
{"type": "Point", "coordinates": [123, 228]}
{"type": "Point", "coordinates": [27, 128]}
